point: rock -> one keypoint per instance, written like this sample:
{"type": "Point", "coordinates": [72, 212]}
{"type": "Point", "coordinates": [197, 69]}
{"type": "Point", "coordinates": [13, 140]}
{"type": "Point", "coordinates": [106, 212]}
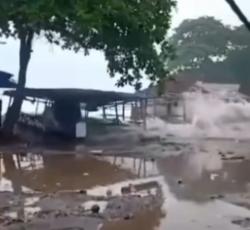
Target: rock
{"type": "Point", "coordinates": [216, 196]}
{"type": "Point", "coordinates": [83, 192]}
{"type": "Point", "coordinates": [180, 181]}
{"type": "Point", "coordinates": [95, 209]}
{"type": "Point", "coordinates": [128, 217]}
{"type": "Point", "coordinates": [220, 196]}
{"type": "Point", "coordinates": [222, 154]}
{"type": "Point", "coordinates": [212, 197]}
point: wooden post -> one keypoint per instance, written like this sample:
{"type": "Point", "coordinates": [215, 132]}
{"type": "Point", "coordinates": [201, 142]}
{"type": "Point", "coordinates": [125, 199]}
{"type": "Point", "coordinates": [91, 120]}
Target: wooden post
{"type": "Point", "coordinates": [154, 107]}
{"type": "Point", "coordinates": [184, 110]}
{"type": "Point", "coordinates": [136, 112]}
{"type": "Point", "coordinates": [144, 168]}
{"type": "Point", "coordinates": [0, 113]}
{"type": "Point", "coordinates": [141, 109]}
{"type": "Point", "coordinates": [145, 102]}
{"type": "Point", "coordinates": [18, 158]}
{"type": "Point", "coordinates": [116, 113]}
{"type": "Point", "coordinates": [1, 170]}
{"type": "Point", "coordinates": [169, 105]}
{"type": "Point", "coordinates": [9, 104]}
{"type": "Point", "coordinates": [134, 163]}
{"type": "Point", "coordinates": [139, 168]}
{"type": "Point", "coordinates": [123, 111]}
{"type": "Point", "coordinates": [131, 111]}
{"type": "Point", "coordinates": [104, 112]}
{"type": "Point", "coordinates": [37, 107]}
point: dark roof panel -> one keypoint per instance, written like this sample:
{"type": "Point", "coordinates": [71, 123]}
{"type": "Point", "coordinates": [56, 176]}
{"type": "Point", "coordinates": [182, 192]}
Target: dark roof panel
{"type": "Point", "coordinates": [88, 96]}
{"type": "Point", "coordinates": [6, 81]}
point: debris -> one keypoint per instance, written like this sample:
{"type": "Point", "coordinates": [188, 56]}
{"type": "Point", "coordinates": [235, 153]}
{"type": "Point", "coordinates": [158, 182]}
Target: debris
{"type": "Point", "coordinates": [83, 192]}
{"type": "Point", "coordinates": [216, 196]}
{"type": "Point", "coordinates": [147, 139]}
{"type": "Point", "coordinates": [139, 187]}
{"type": "Point", "coordinates": [221, 154]}
{"type": "Point", "coordinates": [233, 158]}
{"type": "Point", "coordinates": [95, 209]}
{"type": "Point", "coordinates": [213, 176]}
{"type": "Point", "coordinates": [180, 181]}
{"type": "Point", "coordinates": [245, 223]}
{"type": "Point", "coordinates": [128, 217]}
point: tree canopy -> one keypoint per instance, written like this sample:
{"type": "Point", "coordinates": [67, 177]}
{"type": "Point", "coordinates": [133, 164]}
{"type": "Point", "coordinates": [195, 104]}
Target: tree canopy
{"type": "Point", "coordinates": [216, 51]}
{"type": "Point", "coordinates": [128, 31]}
{"type": "Point", "coordinates": [131, 33]}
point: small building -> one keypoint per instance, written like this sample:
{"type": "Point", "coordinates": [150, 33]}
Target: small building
{"type": "Point", "coordinates": [171, 104]}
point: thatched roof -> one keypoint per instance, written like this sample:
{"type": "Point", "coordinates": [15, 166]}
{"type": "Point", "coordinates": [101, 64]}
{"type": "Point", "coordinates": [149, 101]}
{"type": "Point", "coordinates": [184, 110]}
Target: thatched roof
{"type": "Point", "coordinates": [88, 96]}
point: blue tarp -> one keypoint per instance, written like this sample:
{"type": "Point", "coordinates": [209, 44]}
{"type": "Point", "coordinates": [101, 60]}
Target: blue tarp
{"type": "Point", "coordinates": [6, 81]}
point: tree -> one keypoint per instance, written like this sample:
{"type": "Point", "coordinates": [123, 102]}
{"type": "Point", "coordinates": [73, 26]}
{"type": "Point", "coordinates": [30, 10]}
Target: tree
{"type": "Point", "coordinates": [197, 40]}
{"type": "Point", "coordinates": [215, 51]}
{"type": "Point", "coordinates": [238, 62]}
{"type": "Point", "coordinates": [131, 34]}
{"type": "Point", "coordinates": [239, 13]}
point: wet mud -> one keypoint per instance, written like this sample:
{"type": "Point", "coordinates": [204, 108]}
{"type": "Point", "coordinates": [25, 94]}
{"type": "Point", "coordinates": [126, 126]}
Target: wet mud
{"type": "Point", "coordinates": [194, 190]}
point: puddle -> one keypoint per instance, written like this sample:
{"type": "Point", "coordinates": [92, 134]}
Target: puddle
{"type": "Point", "coordinates": [185, 191]}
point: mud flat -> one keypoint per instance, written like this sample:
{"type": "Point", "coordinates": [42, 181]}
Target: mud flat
{"type": "Point", "coordinates": [189, 190]}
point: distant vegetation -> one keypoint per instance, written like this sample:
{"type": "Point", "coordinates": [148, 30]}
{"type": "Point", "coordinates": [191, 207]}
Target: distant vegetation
{"type": "Point", "coordinates": [216, 52]}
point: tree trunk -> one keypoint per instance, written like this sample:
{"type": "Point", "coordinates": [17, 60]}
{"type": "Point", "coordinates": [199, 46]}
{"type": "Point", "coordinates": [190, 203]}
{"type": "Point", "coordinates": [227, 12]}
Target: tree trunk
{"type": "Point", "coordinates": [13, 112]}
{"type": "Point", "coordinates": [239, 13]}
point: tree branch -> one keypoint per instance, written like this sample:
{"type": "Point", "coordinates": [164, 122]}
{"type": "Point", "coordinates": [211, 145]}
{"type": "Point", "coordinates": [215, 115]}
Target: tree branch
{"type": "Point", "coordinates": [239, 13]}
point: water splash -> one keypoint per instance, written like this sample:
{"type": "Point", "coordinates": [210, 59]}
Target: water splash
{"type": "Point", "coordinates": [217, 114]}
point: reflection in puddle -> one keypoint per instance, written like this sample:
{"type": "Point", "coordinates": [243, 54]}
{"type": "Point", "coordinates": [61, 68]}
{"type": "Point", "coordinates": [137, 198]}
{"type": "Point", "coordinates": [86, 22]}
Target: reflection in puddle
{"type": "Point", "coordinates": [174, 192]}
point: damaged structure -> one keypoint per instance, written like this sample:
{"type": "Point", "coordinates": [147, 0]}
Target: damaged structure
{"type": "Point", "coordinates": [66, 110]}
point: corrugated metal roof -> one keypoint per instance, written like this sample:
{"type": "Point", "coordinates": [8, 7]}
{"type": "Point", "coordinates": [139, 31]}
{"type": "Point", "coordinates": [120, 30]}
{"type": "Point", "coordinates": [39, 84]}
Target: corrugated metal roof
{"type": "Point", "coordinates": [88, 96]}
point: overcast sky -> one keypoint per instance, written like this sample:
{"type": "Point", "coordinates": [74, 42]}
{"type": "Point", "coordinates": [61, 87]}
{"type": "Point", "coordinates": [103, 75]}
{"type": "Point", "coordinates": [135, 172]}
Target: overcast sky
{"type": "Point", "coordinates": [52, 67]}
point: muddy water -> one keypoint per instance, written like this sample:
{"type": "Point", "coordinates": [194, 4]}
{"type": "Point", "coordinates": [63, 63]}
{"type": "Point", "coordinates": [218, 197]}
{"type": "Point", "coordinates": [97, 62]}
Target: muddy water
{"type": "Point", "coordinates": [188, 191]}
